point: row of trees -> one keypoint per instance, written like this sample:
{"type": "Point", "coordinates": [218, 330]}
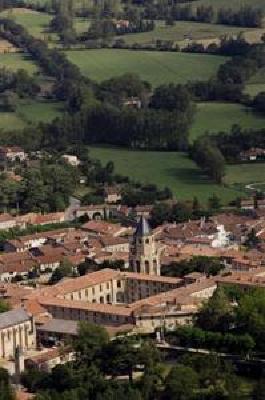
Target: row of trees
{"type": "Point", "coordinates": [246, 16]}
{"type": "Point", "coordinates": [53, 62]}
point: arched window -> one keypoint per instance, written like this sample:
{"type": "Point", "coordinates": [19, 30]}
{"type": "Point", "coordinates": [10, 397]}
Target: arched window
{"type": "Point", "coordinates": [147, 241]}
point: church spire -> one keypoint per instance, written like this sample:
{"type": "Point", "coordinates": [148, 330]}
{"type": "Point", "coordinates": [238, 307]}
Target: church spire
{"type": "Point", "coordinates": [143, 228]}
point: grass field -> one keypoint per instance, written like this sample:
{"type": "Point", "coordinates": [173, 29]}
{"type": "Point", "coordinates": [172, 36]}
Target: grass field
{"type": "Point", "coordinates": [33, 21]}
{"type": "Point", "coordinates": [245, 173]}
{"type": "Point", "coordinates": [174, 170]}
{"type": "Point", "coordinates": [216, 117]}
{"type": "Point", "coordinates": [37, 23]}
{"type": "Point", "coordinates": [28, 113]}
{"type": "Point", "coordinates": [15, 61]}
{"type": "Point", "coordinates": [41, 111]}
{"type": "Point", "coordinates": [10, 120]}
{"type": "Point", "coordinates": [177, 33]}
{"type": "Point", "coordinates": [153, 66]}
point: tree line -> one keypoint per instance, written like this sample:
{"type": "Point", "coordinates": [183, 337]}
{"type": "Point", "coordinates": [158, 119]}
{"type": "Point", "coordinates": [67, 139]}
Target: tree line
{"type": "Point", "coordinates": [245, 16]}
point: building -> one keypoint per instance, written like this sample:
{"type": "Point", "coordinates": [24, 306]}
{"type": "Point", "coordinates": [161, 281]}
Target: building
{"type": "Point", "coordinates": [71, 159]}
{"type": "Point", "coordinates": [252, 154]}
{"type": "Point", "coordinates": [48, 359]}
{"type": "Point", "coordinates": [7, 221]}
{"type": "Point", "coordinates": [17, 330]}
{"type": "Point", "coordinates": [112, 195]}
{"type": "Point", "coordinates": [145, 253]}
{"type": "Point", "coordinates": [12, 153]}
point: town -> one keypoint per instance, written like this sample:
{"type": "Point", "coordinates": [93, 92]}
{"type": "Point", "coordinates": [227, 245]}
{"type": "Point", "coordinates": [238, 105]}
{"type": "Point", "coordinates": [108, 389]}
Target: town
{"type": "Point", "coordinates": [132, 200]}
{"type": "Point", "coordinates": [109, 267]}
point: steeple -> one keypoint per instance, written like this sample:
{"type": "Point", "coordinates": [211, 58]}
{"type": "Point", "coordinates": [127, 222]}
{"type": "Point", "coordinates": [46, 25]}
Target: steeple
{"type": "Point", "coordinates": [144, 254]}
{"type": "Point", "coordinates": [143, 228]}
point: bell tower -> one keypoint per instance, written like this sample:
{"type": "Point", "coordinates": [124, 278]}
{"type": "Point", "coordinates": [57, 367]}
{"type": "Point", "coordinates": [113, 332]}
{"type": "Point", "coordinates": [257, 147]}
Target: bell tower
{"type": "Point", "coordinates": [144, 254]}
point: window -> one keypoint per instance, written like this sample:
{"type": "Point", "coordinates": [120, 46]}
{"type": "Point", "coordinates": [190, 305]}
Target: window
{"type": "Point", "coordinates": [147, 241]}
{"type": "Point", "coordinates": [93, 290]}
{"type": "Point", "coordinates": [138, 266]}
{"type": "Point", "coordinates": [119, 284]}
{"type": "Point", "coordinates": [147, 269]}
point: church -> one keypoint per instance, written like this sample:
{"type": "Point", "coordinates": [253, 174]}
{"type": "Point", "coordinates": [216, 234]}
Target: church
{"type": "Point", "coordinates": [145, 252]}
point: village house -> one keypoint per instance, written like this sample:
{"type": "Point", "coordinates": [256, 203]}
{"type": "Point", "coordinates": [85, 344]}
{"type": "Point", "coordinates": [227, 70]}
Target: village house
{"type": "Point", "coordinates": [101, 228]}
{"type": "Point", "coordinates": [17, 270]}
{"type": "Point", "coordinates": [48, 359]}
{"type": "Point", "coordinates": [114, 244]}
{"type": "Point", "coordinates": [252, 154]}
{"type": "Point", "coordinates": [71, 159]}
{"type": "Point", "coordinates": [112, 195]}
{"type": "Point", "coordinates": [12, 153]}
{"type": "Point", "coordinates": [24, 243]}
{"type": "Point", "coordinates": [7, 221]}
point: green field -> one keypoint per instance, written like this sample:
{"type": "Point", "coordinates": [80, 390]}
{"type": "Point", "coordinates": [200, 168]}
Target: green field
{"type": "Point", "coordinates": [216, 117]}
{"type": "Point", "coordinates": [15, 61]}
{"type": "Point", "coordinates": [9, 120]}
{"type": "Point", "coordinates": [36, 23]}
{"type": "Point", "coordinates": [29, 113]}
{"type": "Point", "coordinates": [246, 173]}
{"type": "Point", "coordinates": [153, 66]}
{"type": "Point", "coordinates": [174, 170]}
{"type": "Point", "coordinates": [177, 33]}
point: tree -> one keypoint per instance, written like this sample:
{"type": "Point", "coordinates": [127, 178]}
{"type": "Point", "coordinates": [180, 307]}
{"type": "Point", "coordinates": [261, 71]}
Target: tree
{"type": "Point", "coordinates": [65, 269]}
{"type": "Point", "coordinates": [181, 383]}
{"type": "Point", "coordinates": [6, 392]}
{"type": "Point", "coordinates": [252, 240]}
{"type": "Point", "coordinates": [214, 202]}
{"type": "Point", "coordinates": [90, 340]}
{"type": "Point", "coordinates": [250, 315]}
{"type": "Point", "coordinates": [217, 314]}
{"type": "Point", "coordinates": [4, 306]}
